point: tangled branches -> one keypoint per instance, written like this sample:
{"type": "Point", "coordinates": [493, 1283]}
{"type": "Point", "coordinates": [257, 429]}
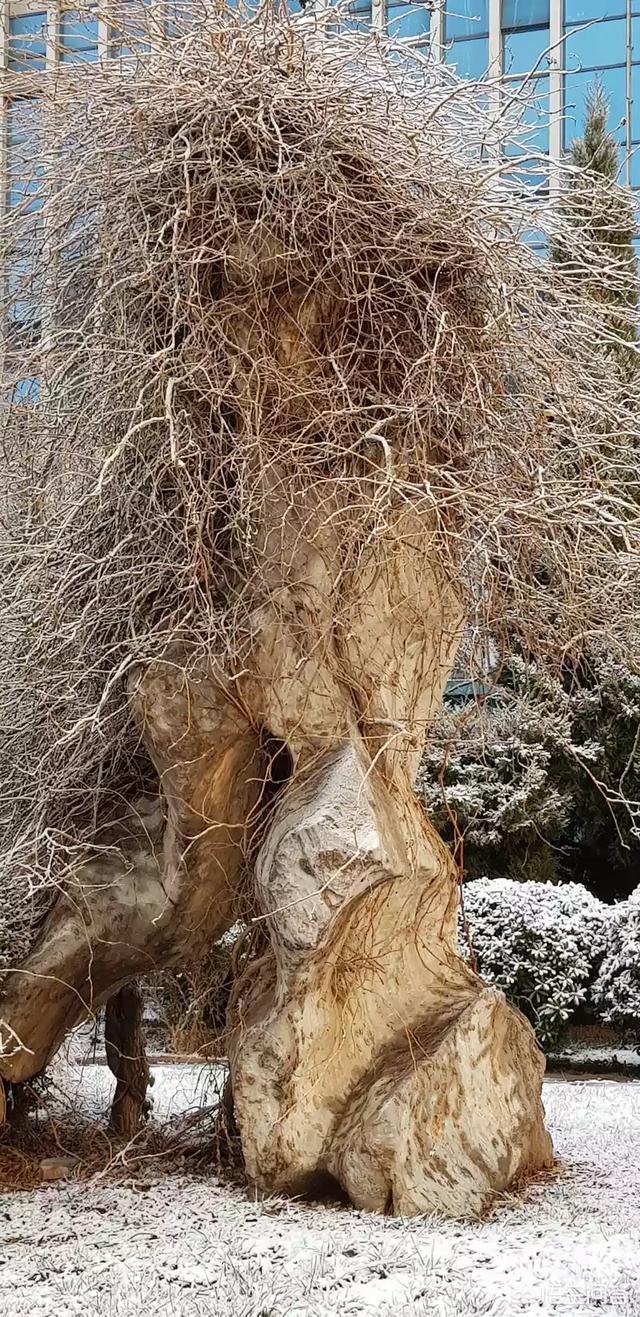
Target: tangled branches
{"type": "Point", "coordinates": [264, 265]}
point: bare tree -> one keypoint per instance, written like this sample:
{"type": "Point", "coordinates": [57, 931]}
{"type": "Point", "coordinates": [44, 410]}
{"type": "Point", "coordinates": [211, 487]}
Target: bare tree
{"type": "Point", "coordinates": [295, 434]}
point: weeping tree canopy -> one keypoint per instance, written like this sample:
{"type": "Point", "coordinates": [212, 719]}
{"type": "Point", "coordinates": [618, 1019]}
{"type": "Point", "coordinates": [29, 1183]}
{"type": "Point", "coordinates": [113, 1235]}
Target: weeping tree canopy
{"type": "Point", "coordinates": [307, 402]}
{"type": "Point", "coordinates": [201, 212]}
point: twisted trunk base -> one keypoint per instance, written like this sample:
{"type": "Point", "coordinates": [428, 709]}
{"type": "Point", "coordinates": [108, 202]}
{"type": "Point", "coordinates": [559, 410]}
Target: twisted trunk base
{"type": "Point", "coordinates": [362, 1046]}
{"type": "Point", "coordinates": [371, 1052]}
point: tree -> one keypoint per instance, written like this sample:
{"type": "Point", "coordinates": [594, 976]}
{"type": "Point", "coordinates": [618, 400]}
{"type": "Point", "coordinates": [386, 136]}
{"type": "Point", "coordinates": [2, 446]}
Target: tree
{"type": "Point", "coordinates": [596, 248]}
{"type": "Point", "coordinates": [306, 425]}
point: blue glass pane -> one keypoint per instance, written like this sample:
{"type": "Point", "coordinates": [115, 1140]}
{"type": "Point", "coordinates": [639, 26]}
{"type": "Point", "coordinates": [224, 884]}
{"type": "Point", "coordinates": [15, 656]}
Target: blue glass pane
{"type": "Point", "coordinates": [596, 46]}
{"type": "Point", "coordinates": [407, 20]}
{"type": "Point", "coordinates": [26, 392]}
{"type": "Point", "coordinates": [357, 18]}
{"type": "Point", "coordinates": [27, 42]}
{"type": "Point", "coordinates": [471, 58]}
{"type": "Point", "coordinates": [525, 13]}
{"type": "Point", "coordinates": [524, 51]}
{"type": "Point", "coordinates": [634, 168]}
{"type": "Point", "coordinates": [536, 239]}
{"type": "Point", "coordinates": [635, 103]}
{"type": "Point", "coordinates": [466, 18]}
{"type": "Point", "coordinates": [581, 11]}
{"type": "Point", "coordinates": [635, 40]}
{"type": "Point", "coordinates": [137, 27]}
{"type": "Point", "coordinates": [576, 88]}
{"type": "Point", "coordinates": [78, 37]}
{"type": "Point", "coordinates": [533, 175]}
{"type": "Point", "coordinates": [529, 114]}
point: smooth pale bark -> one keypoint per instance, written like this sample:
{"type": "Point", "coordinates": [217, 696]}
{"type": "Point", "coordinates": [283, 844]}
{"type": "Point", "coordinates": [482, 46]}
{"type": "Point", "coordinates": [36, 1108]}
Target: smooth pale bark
{"type": "Point", "coordinates": [362, 1046]}
{"type": "Point", "coordinates": [366, 1048]}
{"type": "Point", "coordinates": [165, 880]}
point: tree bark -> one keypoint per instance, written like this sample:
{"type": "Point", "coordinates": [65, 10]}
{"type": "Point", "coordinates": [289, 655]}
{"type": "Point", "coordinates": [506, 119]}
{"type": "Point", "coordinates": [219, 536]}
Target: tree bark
{"type": "Point", "coordinates": [366, 1049]}
{"type": "Point", "coordinates": [127, 1060]}
{"type": "Point", "coordinates": [166, 881]}
{"type": "Point", "coordinates": [362, 1046]}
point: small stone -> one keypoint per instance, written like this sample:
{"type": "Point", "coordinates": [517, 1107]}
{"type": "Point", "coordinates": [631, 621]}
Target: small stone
{"type": "Point", "coordinates": [57, 1168]}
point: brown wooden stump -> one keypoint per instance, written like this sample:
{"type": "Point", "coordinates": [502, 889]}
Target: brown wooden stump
{"type": "Point", "coordinates": [127, 1060]}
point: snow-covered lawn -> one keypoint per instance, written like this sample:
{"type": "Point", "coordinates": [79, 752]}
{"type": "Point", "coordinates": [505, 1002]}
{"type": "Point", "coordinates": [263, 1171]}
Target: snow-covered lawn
{"type": "Point", "coordinates": [174, 1245]}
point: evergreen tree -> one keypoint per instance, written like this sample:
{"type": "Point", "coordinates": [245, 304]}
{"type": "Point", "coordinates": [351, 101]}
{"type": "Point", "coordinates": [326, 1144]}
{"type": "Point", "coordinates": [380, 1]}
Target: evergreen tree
{"type": "Point", "coordinates": [599, 227]}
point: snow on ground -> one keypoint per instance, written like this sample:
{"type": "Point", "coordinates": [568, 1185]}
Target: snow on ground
{"type": "Point", "coordinates": [174, 1245]}
{"type": "Point", "coordinates": [610, 1053]}
{"type": "Point", "coordinates": [175, 1088]}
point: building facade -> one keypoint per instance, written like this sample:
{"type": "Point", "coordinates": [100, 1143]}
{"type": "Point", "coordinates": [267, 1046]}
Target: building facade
{"type": "Point", "coordinates": [550, 51]}
{"type": "Point", "coordinates": [555, 47]}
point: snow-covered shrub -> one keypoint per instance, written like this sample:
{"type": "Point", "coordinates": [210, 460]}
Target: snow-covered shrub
{"type": "Point", "coordinates": [543, 779]}
{"type": "Point", "coordinates": [616, 991]}
{"type": "Point", "coordinates": [539, 942]}
{"type": "Point", "coordinates": [495, 768]}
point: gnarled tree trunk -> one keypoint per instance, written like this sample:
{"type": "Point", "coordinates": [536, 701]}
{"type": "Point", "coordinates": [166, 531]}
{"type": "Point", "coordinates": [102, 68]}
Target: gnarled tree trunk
{"type": "Point", "coordinates": [367, 1049]}
{"type": "Point", "coordinates": [127, 1060]}
{"type": "Point", "coordinates": [362, 1045]}
{"type": "Point", "coordinates": [165, 882]}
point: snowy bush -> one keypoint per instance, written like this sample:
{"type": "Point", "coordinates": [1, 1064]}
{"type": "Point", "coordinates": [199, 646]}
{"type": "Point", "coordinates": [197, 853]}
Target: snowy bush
{"type": "Point", "coordinates": [494, 768]}
{"type": "Point", "coordinates": [539, 942]}
{"type": "Point", "coordinates": [616, 991]}
{"type": "Point", "coordinates": [542, 782]}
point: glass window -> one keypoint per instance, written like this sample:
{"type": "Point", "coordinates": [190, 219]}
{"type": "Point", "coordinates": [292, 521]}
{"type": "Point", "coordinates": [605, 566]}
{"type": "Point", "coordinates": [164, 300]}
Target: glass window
{"type": "Point", "coordinates": [525, 13]}
{"type": "Point", "coordinates": [597, 46]}
{"type": "Point", "coordinates": [529, 115]}
{"type": "Point", "coordinates": [466, 18]}
{"type": "Point", "coordinates": [78, 37]}
{"type": "Point", "coordinates": [536, 239]}
{"type": "Point", "coordinates": [27, 42]}
{"type": "Point", "coordinates": [531, 174]}
{"type": "Point", "coordinates": [471, 58]}
{"type": "Point", "coordinates": [576, 87]}
{"type": "Point", "coordinates": [136, 27]}
{"type": "Point", "coordinates": [407, 20]}
{"type": "Point", "coordinates": [635, 40]}
{"type": "Point", "coordinates": [581, 11]}
{"type": "Point", "coordinates": [635, 103]}
{"type": "Point", "coordinates": [524, 51]}
{"type": "Point", "coordinates": [26, 392]}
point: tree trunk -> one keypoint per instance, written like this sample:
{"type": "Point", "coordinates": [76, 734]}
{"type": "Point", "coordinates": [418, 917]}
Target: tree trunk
{"type": "Point", "coordinates": [362, 1047]}
{"type": "Point", "coordinates": [127, 1060]}
{"type": "Point", "coordinates": [167, 880]}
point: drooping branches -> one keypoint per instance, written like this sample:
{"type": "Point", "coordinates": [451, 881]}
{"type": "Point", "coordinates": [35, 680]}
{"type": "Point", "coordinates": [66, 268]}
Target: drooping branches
{"type": "Point", "coordinates": [306, 402]}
